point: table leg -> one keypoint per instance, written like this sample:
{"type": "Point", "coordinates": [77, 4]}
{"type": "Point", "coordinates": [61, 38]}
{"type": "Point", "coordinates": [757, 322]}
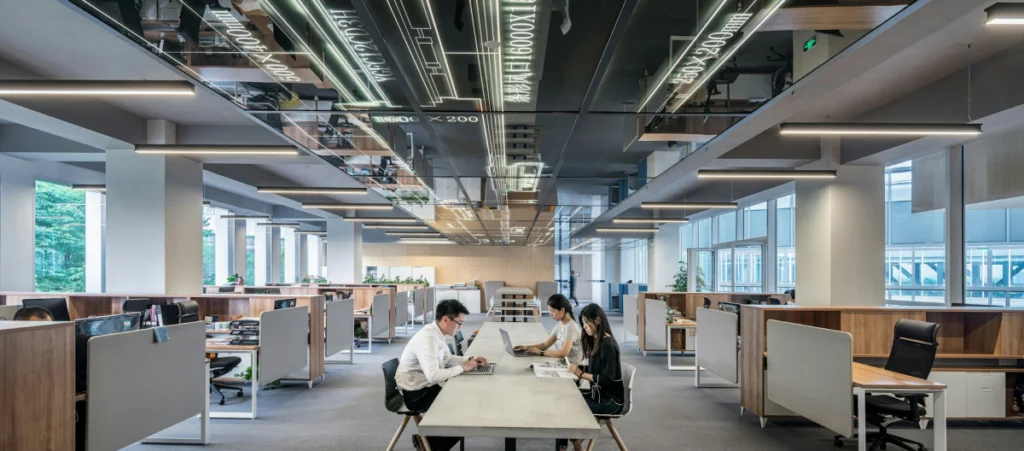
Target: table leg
{"type": "Point", "coordinates": [510, 444]}
{"type": "Point", "coordinates": [668, 346]}
{"type": "Point", "coordinates": [940, 420]}
{"type": "Point", "coordinates": [862, 423]}
{"type": "Point", "coordinates": [255, 381]}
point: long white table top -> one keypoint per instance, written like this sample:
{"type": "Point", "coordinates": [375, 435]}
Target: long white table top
{"type": "Point", "coordinates": [513, 402]}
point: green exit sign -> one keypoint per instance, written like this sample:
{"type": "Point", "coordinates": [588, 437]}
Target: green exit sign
{"type": "Point", "coordinates": [810, 43]}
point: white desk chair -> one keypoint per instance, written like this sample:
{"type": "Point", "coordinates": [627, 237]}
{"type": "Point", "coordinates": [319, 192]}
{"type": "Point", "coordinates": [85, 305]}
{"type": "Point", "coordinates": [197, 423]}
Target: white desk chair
{"type": "Point", "coordinates": [628, 373]}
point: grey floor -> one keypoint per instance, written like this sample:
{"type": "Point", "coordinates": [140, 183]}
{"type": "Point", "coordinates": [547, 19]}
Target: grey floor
{"type": "Point", "coordinates": [346, 412]}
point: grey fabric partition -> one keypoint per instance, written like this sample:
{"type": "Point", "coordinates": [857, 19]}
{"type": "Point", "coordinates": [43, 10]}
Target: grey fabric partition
{"type": "Point", "coordinates": [283, 343]}
{"type": "Point", "coordinates": [138, 387]}
{"type": "Point", "coordinates": [381, 311]}
{"type": "Point", "coordinates": [716, 343]}
{"type": "Point", "coordinates": [340, 326]}
{"type": "Point", "coordinates": [545, 290]}
{"type": "Point", "coordinates": [402, 305]}
{"type": "Point", "coordinates": [654, 328]}
{"type": "Point", "coordinates": [419, 304]}
{"type": "Point", "coordinates": [489, 289]}
{"type": "Point", "coordinates": [629, 314]}
{"type": "Point", "coordinates": [430, 303]}
{"type": "Point", "coordinates": [7, 312]}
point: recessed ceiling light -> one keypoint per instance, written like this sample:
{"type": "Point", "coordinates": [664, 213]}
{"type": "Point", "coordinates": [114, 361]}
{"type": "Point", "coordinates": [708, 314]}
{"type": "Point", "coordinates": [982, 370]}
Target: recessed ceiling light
{"type": "Point", "coordinates": [649, 221]}
{"type": "Point", "coordinates": [349, 206]}
{"type": "Point", "coordinates": [626, 230]}
{"type": "Point", "coordinates": [784, 174]}
{"type": "Point", "coordinates": [391, 220]}
{"type": "Point", "coordinates": [1005, 14]}
{"type": "Point", "coordinates": [95, 88]}
{"type": "Point", "coordinates": [215, 150]}
{"type": "Point", "coordinates": [824, 128]}
{"type": "Point", "coordinates": [686, 205]}
{"type": "Point", "coordinates": [307, 190]}
{"type": "Point", "coordinates": [97, 188]}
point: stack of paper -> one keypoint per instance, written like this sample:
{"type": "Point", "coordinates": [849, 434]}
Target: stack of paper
{"type": "Point", "coordinates": [557, 369]}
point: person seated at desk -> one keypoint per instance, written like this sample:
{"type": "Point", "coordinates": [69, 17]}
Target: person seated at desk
{"type": "Point", "coordinates": [565, 337]}
{"type": "Point", "coordinates": [33, 314]}
{"type": "Point", "coordinates": [426, 362]}
{"type": "Point", "coordinates": [604, 371]}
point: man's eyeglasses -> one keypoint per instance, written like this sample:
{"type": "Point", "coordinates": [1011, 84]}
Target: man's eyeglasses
{"type": "Point", "coordinates": [459, 323]}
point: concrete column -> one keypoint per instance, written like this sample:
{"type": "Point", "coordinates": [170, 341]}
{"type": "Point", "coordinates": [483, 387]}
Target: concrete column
{"type": "Point", "coordinates": [154, 225]}
{"type": "Point", "coordinates": [268, 255]}
{"type": "Point", "coordinates": [94, 241]}
{"type": "Point", "coordinates": [345, 251]}
{"type": "Point", "coordinates": [302, 255]}
{"type": "Point", "coordinates": [664, 257]}
{"type": "Point", "coordinates": [292, 272]}
{"type": "Point", "coordinates": [840, 245]}
{"type": "Point", "coordinates": [17, 226]}
{"type": "Point", "coordinates": [955, 227]}
{"type": "Point", "coordinates": [770, 259]}
{"type": "Point", "coordinates": [230, 242]}
{"type": "Point", "coordinates": [314, 256]}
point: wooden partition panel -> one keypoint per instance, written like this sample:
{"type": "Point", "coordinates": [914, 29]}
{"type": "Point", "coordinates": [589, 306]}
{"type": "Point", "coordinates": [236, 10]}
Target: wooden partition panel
{"type": "Point", "coordinates": [85, 305]}
{"type": "Point", "coordinates": [688, 303]}
{"type": "Point", "coordinates": [875, 329]}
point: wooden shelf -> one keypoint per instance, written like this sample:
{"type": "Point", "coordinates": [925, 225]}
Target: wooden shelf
{"type": "Point", "coordinates": [948, 356]}
{"type": "Point", "coordinates": [995, 369]}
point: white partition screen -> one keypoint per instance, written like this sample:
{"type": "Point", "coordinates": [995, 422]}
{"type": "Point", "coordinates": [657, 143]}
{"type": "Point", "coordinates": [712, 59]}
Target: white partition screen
{"type": "Point", "coordinates": [716, 343]}
{"type": "Point", "coordinates": [629, 318]}
{"type": "Point", "coordinates": [654, 329]}
{"type": "Point", "coordinates": [283, 343]}
{"type": "Point", "coordinates": [381, 311]}
{"type": "Point", "coordinates": [810, 371]}
{"type": "Point", "coordinates": [402, 312]}
{"type": "Point", "coordinates": [419, 303]}
{"type": "Point", "coordinates": [340, 326]}
{"type": "Point", "coordinates": [138, 387]}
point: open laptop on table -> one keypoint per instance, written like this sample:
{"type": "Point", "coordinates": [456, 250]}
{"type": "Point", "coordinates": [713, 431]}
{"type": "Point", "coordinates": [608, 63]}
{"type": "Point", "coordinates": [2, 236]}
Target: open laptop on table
{"type": "Point", "coordinates": [508, 345]}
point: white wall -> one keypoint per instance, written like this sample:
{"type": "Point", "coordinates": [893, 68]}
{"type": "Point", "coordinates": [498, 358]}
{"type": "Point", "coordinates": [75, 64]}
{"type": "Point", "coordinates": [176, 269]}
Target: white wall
{"type": "Point", "coordinates": [17, 226]}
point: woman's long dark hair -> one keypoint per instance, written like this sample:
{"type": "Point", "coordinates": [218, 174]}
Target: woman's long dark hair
{"type": "Point", "coordinates": [559, 302]}
{"type": "Point", "coordinates": [595, 315]}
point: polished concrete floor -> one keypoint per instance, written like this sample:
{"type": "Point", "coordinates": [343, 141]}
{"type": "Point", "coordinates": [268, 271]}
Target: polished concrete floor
{"type": "Point", "coordinates": [346, 412]}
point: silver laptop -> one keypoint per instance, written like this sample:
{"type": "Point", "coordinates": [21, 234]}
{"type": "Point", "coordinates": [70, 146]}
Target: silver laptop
{"type": "Point", "coordinates": [508, 345]}
{"type": "Point", "coordinates": [483, 369]}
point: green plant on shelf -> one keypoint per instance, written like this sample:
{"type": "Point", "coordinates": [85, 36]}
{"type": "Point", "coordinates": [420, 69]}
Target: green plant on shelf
{"type": "Point", "coordinates": [314, 279]}
{"type": "Point", "coordinates": [681, 282]}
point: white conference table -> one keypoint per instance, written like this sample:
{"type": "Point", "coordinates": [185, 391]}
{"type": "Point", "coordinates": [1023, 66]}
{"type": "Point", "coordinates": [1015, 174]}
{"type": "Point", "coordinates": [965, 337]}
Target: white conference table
{"type": "Point", "coordinates": [512, 403]}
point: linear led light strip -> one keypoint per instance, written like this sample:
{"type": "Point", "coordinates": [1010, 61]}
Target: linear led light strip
{"type": "Point", "coordinates": [396, 227]}
{"type": "Point", "coordinates": [391, 220]}
{"type": "Point", "coordinates": [654, 88]}
{"type": "Point", "coordinates": [427, 83]}
{"type": "Point", "coordinates": [215, 150]}
{"type": "Point", "coordinates": [349, 206]}
{"type": "Point", "coordinates": [415, 234]}
{"type": "Point", "coordinates": [278, 224]}
{"type": "Point", "coordinates": [725, 59]}
{"type": "Point", "coordinates": [784, 174]}
{"type": "Point", "coordinates": [306, 190]}
{"type": "Point", "coordinates": [1005, 14]}
{"type": "Point", "coordinates": [310, 232]}
{"type": "Point", "coordinates": [815, 128]}
{"type": "Point", "coordinates": [97, 188]}
{"type": "Point", "coordinates": [687, 205]}
{"type": "Point", "coordinates": [337, 53]}
{"type": "Point", "coordinates": [96, 88]}
{"type": "Point", "coordinates": [649, 221]}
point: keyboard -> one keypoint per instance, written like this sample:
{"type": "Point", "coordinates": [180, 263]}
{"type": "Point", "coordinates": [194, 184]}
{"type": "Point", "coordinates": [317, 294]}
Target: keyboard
{"type": "Point", "coordinates": [486, 369]}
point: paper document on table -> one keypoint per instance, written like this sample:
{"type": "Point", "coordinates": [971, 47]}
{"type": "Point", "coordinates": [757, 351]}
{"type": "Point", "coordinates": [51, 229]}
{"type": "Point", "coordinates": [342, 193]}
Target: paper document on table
{"type": "Point", "coordinates": [556, 369]}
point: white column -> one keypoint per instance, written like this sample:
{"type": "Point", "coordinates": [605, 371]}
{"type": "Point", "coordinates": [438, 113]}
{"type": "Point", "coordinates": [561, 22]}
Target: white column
{"type": "Point", "coordinates": [238, 243]}
{"type": "Point", "coordinates": [665, 258]}
{"type": "Point", "coordinates": [267, 255]}
{"type": "Point", "coordinates": [94, 242]}
{"type": "Point", "coordinates": [17, 227]}
{"type": "Point", "coordinates": [955, 227]}
{"type": "Point", "coordinates": [292, 272]}
{"type": "Point", "coordinates": [840, 238]}
{"type": "Point", "coordinates": [770, 258]}
{"type": "Point", "coordinates": [154, 222]}
{"type": "Point", "coordinates": [313, 255]}
{"type": "Point", "coordinates": [345, 251]}
{"type": "Point", "coordinates": [227, 233]}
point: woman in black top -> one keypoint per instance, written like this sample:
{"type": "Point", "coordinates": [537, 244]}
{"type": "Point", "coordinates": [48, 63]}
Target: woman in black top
{"type": "Point", "coordinates": [604, 370]}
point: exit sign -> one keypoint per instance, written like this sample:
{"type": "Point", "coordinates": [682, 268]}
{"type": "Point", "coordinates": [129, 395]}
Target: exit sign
{"type": "Point", "coordinates": [810, 43]}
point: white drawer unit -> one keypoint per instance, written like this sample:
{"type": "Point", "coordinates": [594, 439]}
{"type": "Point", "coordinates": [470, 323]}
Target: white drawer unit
{"type": "Point", "coordinates": [972, 394]}
{"type": "Point", "coordinates": [956, 394]}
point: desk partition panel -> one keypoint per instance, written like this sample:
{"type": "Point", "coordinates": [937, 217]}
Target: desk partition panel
{"type": "Point", "coordinates": [716, 343]}
{"type": "Point", "coordinates": [138, 387]}
{"type": "Point", "coordinates": [340, 326]}
{"type": "Point", "coordinates": [810, 371]}
{"type": "Point", "coordinates": [402, 310]}
{"type": "Point", "coordinates": [419, 303]}
{"type": "Point", "coordinates": [284, 336]}
{"type": "Point", "coordinates": [381, 312]}
{"type": "Point", "coordinates": [655, 313]}
{"type": "Point", "coordinates": [629, 314]}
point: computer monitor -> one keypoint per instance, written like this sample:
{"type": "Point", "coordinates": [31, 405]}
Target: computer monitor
{"type": "Point", "coordinates": [226, 289]}
{"type": "Point", "coordinates": [58, 307]}
{"type": "Point", "coordinates": [188, 312]}
{"type": "Point", "coordinates": [284, 303]}
{"type": "Point", "coordinates": [102, 325]}
{"type": "Point", "coordinates": [267, 291]}
{"type": "Point", "coordinates": [730, 307]}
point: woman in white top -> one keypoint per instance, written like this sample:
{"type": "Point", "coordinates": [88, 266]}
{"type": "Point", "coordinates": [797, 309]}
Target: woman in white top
{"type": "Point", "coordinates": [565, 337]}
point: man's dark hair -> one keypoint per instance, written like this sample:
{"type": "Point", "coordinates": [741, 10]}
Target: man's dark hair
{"type": "Point", "coordinates": [33, 313]}
{"type": "Point", "coordinates": [450, 308]}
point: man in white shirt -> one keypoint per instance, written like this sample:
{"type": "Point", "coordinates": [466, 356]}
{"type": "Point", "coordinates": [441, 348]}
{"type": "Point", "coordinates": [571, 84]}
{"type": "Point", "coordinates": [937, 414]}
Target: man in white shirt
{"type": "Point", "coordinates": [427, 362]}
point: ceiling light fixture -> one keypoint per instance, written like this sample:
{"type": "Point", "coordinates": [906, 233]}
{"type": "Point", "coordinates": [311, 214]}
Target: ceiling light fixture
{"type": "Point", "coordinates": [626, 230]}
{"type": "Point", "coordinates": [396, 227]}
{"type": "Point", "coordinates": [649, 221]}
{"type": "Point", "coordinates": [414, 234]}
{"type": "Point", "coordinates": [311, 232]}
{"type": "Point", "coordinates": [207, 203]}
{"type": "Point", "coordinates": [306, 190]}
{"type": "Point", "coordinates": [784, 174]}
{"type": "Point", "coordinates": [95, 88]}
{"type": "Point", "coordinates": [278, 224]}
{"type": "Point", "coordinates": [1005, 14]}
{"type": "Point", "coordinates": [687, 205]}
{"type": "Point", "coordinates": [97, 188]}
{"type": "Point", "coordinates": [391, 220]}
{"type": "Point", "coordinates": [349, 206]}
{"type": "Point", "coordinates": [215, 150]}
{"type": "Point", "coordinates": [244, 217]}
{"type": "Point", "coordinates": [825, 128]}
{"type": "Point", "coordinates": [424, 241]}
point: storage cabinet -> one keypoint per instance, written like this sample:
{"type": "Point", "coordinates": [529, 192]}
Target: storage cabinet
{"type": "Point", "coordinates": [971, 394]}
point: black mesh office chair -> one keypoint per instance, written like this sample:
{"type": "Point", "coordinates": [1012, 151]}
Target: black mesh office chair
{"type": "Point", "coordinates": [774, 301]}
{"type": "Point", "coordinates": [707, 302]}
{"type": "Point", "coordinates": [141, 306]}
{"type": "Point", "coordinates": [395, 403]}
{"type": "Point", "coordinates": [913, 352]}
{"type": "Point", "coordinates": [458, 342]}
{"type": "Point", "coordinates": [188, 312]}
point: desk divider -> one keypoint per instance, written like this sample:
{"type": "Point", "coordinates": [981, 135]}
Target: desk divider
{"type": "Point", "coordinates": [716, 343]}
{"type": "Point", "coordinates": [402, 310]}
{"type": "Point", "coordinates": [138, 387]}
{"type": "Point", "coordinates": [810, 371]}
{"type": "Point", "coordinates": [7, 312]}
{"type": "Point", "coordinates": [283, 343]}
{"type": "Point", "coordinates": [419, 302]}
{"type": "Point", "coordinates": [340, 327]}
{"type": "Point", "coordinates": [381, 312]}
{"type": "Point", "coordinates": [654, 327]}
{"type": "Point", "coordinates": [430, 304]}
{"type": "Point", "coordinates": [629, 314]}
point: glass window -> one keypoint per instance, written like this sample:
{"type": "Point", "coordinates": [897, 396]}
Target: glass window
{"type": "Point", "coordinates": [281, 267]}
{"type": "Point", "coordinates": [785, 249]}
{"type": "Point", "coordinates": [726, 227]}
{"type": "Point", "coordinates": [250, 252]}
{"type": "Point", "coordinates": [209, 247]}
{"type": "Point", "coordinates": [916, 193]}
{"type": "Point", "coordinates": [60, 238]}
{"type": "Point", "coordinates": [704, 233]}
{"type": "Point", "coordinates": [755, 220]}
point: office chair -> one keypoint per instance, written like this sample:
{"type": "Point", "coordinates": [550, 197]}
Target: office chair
{"type": "Point", "coordinates": [142, 306]}
{"type": "Point", "coordinates": [188, 311]}
{"type": "Point", "coordinates": [913, 352]}
{"type": "Point", "coordinates": [774, 301]}
{"type": "Point", "coordinates": [170, 313]}
{"type": "Point", "coordinates": [219, 366]}
{"type": "Point", "coordinates": [458, 342]}
{"type": "Point", "coordinates": [394, 402]}
{"type": "Point", "coordinates": [628, 375]}
{"type": "Point", "coordinates": [707, 302]}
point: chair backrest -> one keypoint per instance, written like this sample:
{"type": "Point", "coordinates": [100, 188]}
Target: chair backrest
{"type": "Point", "coordinates": [458, 342]}
{"type": "Point", "coordinates": [707, 302]}
{"type": "Point", "coordinates": [628, 375]}
{"type": "Point", "coordinates": [914, 346]}
{"type": "Point", "coordinates": [136, 305]}
{"type": "Point", "coordinates": [393, 400]}
{"type": "Point", "coordinates": [774, 301]}
{"type": "Point", "coordinates": [171, 314]}
{"type": "Point", "coordinates": [188, 311]}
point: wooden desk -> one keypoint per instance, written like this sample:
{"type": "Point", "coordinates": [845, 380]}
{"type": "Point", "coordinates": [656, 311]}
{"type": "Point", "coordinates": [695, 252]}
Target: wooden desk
{"type": "Point", "coordinates": [38, 389]}
{"type": "Point", "coordinates": [869, 379]}
{"type": "Point", "coordinates": [681, 324]}
{"type": "Point", "coordinates": [214, 345]}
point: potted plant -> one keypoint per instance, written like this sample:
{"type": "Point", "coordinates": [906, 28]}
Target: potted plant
{"type": "Point", "coordinates": [681, 283]}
